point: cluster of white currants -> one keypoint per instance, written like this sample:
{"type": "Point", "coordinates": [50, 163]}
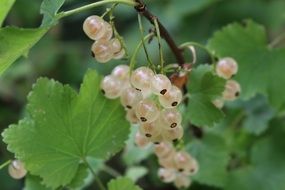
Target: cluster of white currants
{"type": "Point", "coordinates": [226, 68]}
{"type": "Point", "coordinates": [177, 166]}
{"type": "Point", "coordinates": [105, 47]}
{"type": "Point", "coordinates": [150, 101]}
{"type": "Point", "coordinates": [17, 170]}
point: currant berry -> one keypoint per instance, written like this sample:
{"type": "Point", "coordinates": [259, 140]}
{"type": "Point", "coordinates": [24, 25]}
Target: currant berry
{"type": "Point", "coordinates": [226, 67]}
{"type": "Point", "coordinates": [167, 162]}
{"type": "Point", "coordinates": [147, 111]}
{"type": "Point", "coordinates": [17, 170]}
{"type": "Point", "coordinates": [116, 45]}
{"type": "Point", "coordinates": [171, 98]}
{"type": "Point", "coordinates": [111, 87]}
{"type": "Point", "coordinates": [130, 97]}
{"type": "Point", "coordinates": [219, 103]}
{"type": "Point", "coordinates": [94, 27]}
{"type": "Point", "coordinates": [150, 129]}
{"type": "Point", "coordinates": [163, 149]}
{"type": "Point", "coordinates": [194, 167]}
{"type": "Point", "coordinates": [170, 118]}
{"type": "Point", "coordinates": [166, 175]}
{"type": "Point", "coordinates": [157, 139]}
{"type": "Point", "coordinates": [121, 72]}
{"type": "Point", "coordinates": [232, 90]}
{"type": "Point", "coordinates": [173, 134]}
{"type": "Point", "coordinates": [102, 51]}
{"type": "Point", "coordinates": [182, 160]}
{"type": "Point", "coordinates": [131, 117]}
{"type": "Point", "coordinates": [108, 31]}
{"type": "Point", "coordinates": [140, 140]}
{"type": "Point", "coordinates": [182, 181]}
{"type": "Point", "coordinates": [141, 78]}
{"type": "Point", "coordinates": [120, 54]}
{"type": "Point", "coordinates": [160, 84]}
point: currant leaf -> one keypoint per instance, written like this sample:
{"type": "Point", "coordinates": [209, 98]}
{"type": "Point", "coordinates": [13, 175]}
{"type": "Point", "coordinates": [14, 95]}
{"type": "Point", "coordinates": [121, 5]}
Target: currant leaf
{"type": "Point", "coordinates": [122, 183]}
{"type": "Point", "coordinates": [260, 67]}
{"type": "Point", "coordinates": [66, 128]}
{"type": "Point", "coordinates": [204, 87]}
{"type": "Point", "coordinates": [49, 8]}
{"type": "Point", "coordinates": [15, 42]}
{"type": "Point", "coordinates": [34, 183]}
{"type": "Point", "coordinates": [4, 9]}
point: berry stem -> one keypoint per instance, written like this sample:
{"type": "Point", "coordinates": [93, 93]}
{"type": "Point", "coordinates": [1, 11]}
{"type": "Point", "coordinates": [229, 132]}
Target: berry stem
{"type": "Point", "coordinates": [142, 9]}
{"type": "Point", "coordinates": [159, 44]}
{"type": "Point", "coordinates": [93, 5]}
{"type": "Point", "coordinates": [277, 40]}
{"type": "Point", "coordinates": [111, 171]}
{"type": "Point", "coordinates": [5, 164]}
{"type": "Point", "coordinates": [97, 179]}
{"type": "Point", "coordinates": [187, 44]}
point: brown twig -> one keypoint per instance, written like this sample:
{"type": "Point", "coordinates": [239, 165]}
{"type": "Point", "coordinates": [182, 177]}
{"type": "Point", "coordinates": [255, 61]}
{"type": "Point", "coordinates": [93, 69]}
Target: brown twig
{"type": "Point", "coordinates": [142, 9]}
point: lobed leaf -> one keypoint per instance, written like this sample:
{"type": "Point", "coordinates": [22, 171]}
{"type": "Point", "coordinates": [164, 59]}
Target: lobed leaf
{"type": "Point", "coordinates": [122, 183]}
{"type": "Point", "coordinates": [4, 9]}
{"type": "Point", "coordinates": [49, 8]}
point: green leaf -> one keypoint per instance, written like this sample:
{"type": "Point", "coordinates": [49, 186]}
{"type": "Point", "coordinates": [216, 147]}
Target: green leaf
{"type": "Point", "coordinates": [136, 172]}
{"type": "Point", "coordinates": [204, 87]}
{"type": "Point", "coordinates": [34, 183]}
{"type": "Point", "coordinates": [212, 155]}
{"type": "Point", "coordinates": [15, 42]}
{"type": "Point", "coordinates": [4, 9]}
{"type": "Point", "coordinates": [260, 67]}
{"type": "Point", "coordinates": [122, 183]}
{"type": "Point", "coordinates": [65, 128]}
{"type": "Point", "coordinates": [49, 8]}
{"type": "Point", "coordinates": [80, 176]}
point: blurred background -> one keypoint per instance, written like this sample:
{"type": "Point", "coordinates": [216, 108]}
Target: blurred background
{"type": "Point", "coordinates": [64, 54]}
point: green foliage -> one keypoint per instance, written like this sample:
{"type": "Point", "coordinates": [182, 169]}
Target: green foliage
{"type": "Point", "coordinates": [122, 183]}
{"type": "Point", "coordinates": [204, 87]}
{"type": "Point", "coordinates": [34, 183]}
{"type": "Point", "coordinates": [136, 172]}
{"type": "Point", "coordinates": [49, 8]}
{"type": "Point", "coordinates": [260, 66]}
{"type": "Point", "coordinates": [4, 9]}
{"type": "Point", "coordinates": [65, 128]}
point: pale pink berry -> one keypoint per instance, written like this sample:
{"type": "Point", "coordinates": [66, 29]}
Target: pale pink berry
{"type": "Point", "coordinates": [130, 97]}
{"type": "Point", "coordinates": [226, 67]}
{"type": "Point", "coordinates": [166, 175]}
{"type": "Point", "coordinates": [122, 72]}
{"type": "Point", "coordinates": [182, 159]}
{"type": "Point", "coordinates": [132, 117]}
{"type": "Point", "coordinates": [163, 149]}
{"type": "Point", "coordinates": [101, 50]}
{"type": "Point", "coordinates": [147, 111]}
{"type": "Point", "coordinates": [119, 55]}
{"type": "Point", "coordinates": [160, 84]}
{"type": "Point", "coordinates": [108, 31]}
{"type": "Point", "coordinates": [170, 118]}
{"type": "Point", "coordinates": [167, 162]}
{"type": "Point", "coordinates": [111, 87]}
{"type": "Point", "coordinates": [116, 45]}
{"type": "Point", "coordinates": [157, 139]}
{"type": "Point", "coordinates": [182, 181]}
{"type": "Point", "coordinates": [232, 90]}
{"type": "Point", "coordinates": [141, 140]}
{"type": "Point", "coordinates": [171, 98]}
{"type": "Point", "coordinates": [17, 170]}
{"type": "Point", "coordinates": [173, 134]}
{"type": "Point", "coordinates": [94, 27]}
{"type": "Point", "coordinates": [152, 129]}
{"type": "Point", "coordinates": [141, 78]}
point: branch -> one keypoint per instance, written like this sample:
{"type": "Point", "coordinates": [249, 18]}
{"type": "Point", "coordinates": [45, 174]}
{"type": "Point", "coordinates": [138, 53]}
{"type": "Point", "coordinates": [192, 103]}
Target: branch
{"type": "Point", "coordinates": [142, 9]}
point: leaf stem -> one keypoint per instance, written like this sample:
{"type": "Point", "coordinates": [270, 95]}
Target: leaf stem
{"type": "Point", "coordinates": [111, 171]}
{"type": "Point", "coordinates": [5, 164]}
{"type": "Point", "coordinates": [186, 44]}
{"type": "Point", "coordinates": [93, 5]}
{"type": "Point", "coordinates": [97, 179]}
{"type": "Point", "coordinates": [159, 44]}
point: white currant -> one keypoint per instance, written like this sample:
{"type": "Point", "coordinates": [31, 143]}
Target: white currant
{"type": "Point", "coordinates": [111, 87]}
{"type": "Point", "coordinates": [226, 67]}
{"type": "Point", "coordinates": [171, 98]}
{"type": "Point", "coordinates": [130, 97]}
{"type": "Point", "coordinates": [17, 170]}
{"type": "Point", "coordinates": [232, 90]}
{"type": "Point", "coordinates": [170, 118]}
{"type": "Point", "coordinates": [141, 78]}
{"type": "Point", "coordinates": [147, 111]}
{"type": "Point", "coordinates": [160, 84]}
{"type": "Point", "coordinates": [94, 27]}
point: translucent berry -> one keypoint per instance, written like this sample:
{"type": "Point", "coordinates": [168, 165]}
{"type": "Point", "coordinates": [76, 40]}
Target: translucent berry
{"type": "Point", "coordinates": [140, 140]}
{"type": "Point", "coordinates": [116, 45]}
{"type": "Point", "coordinates": [122, 72]}
{"type": "Point", "coordinates": [141, 78]}
{"type": "Point", "coordinates": [163, 149]}
{"type": "Point", "coordinates": [170, 118]}
{"type": "Point", "coordinates": [94, 27]}
{"type": "Point", "coordinates": [182, 181]}
{"type": "Point", "coordinates": [219, 103]}
{"type": "Point", "coordinates": [101, 50]}
{"type": "Point", "coordinates": [150, 129]}
{"type": "Point", "coordinates": [167, 162]}
{"type": "Point", "coordinates": [130, 97]}
{"type": "Point", "coordinates": [182, 160]}
{"type": "Point", "coordinates": [194, 167]}
{"type": "Point", "coordinates": [17, 170]}
{"type": "Point", "coordinates": [232, 90]}
{"type": "Point", "coordinates": [173, 134]}
{"type": "Point", "coordinates": [171, 98]}
{"type": "Point", "coordinates": [108, 31]}
{"type": "Point", "coordinates": [147, 111]}
{"type": "Point", "coordinates": [166, 175]}
{"type": "Point", "coordinates": [226, 67]}
{"type": "Point", "coordinates": [120, 54]}
{"type": "Point", "coordinates": [160, 84]}
{"type": "Point", "coordinates": [131, 117]}
{"type": "Point", "coordinates": [156, 139]}
{"type": "Point", "coordinates": [111, 87]}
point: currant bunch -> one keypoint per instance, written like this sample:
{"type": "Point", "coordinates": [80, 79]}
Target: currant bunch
{"type": "Point", "coordinates": [226, 68]}
{"type": "Point", "coordinates": [105, 47]}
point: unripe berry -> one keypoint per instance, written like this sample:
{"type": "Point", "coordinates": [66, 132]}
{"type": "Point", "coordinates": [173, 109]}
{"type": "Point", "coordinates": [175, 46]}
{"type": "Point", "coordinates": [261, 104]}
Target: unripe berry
{"type": "Point", "coordinates": [132, 117]}
{"type": "Point", "coordinates": [226, 67]}
{"type": "Point", "coordinates": [140, 140]}
{"type": "Point", "coordinates": [182, 181]}
{"type": "Point", "coordinates": [111, 87]}
{"type": "Point", "coordinates": [94, 27]}
{"type": "Point", "coordinates": [108, 31]}
{"type": "Point", "coordinates": [17, 170]}
{"type": "Point", "coordinates": [166, 175]}
{"type": "Point", "coordinates": [101, 50]}
{"type": "Point", "coordinates": [232, 90]}
{"type": "Point", "coordinates": [170, 118]}
{"type": "Point", "coordinates": [150, 129]}
{"type": "Point", "coordinates": [173, 134]}
{"type": "Point", "coordinates": [130, 97]}
{"type": "Point", "coordinates": [171, 98]}
{"type": "Point", "coordinates": [141, 78]}
{"type": "Point", "coordinates": [147, 111]}
{"type": "Point", "coordinates": [160, 84]}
